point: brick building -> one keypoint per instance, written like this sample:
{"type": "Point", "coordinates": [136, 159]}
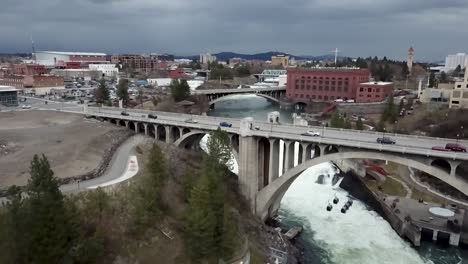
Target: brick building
{"type": "Point", "coordinates": [324, 84]}
{"type": "Point", "coordinates": [370, 92]}
{"type": "Point", "coordinates": [31, 81]}
{"type": "Point", "coordinates": [29, 69]}
{"type": "Point", "coordinates": [141, 63]}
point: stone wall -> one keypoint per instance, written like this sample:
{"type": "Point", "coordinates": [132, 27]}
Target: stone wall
{"type": "Point", "coordinates": [362, 108]}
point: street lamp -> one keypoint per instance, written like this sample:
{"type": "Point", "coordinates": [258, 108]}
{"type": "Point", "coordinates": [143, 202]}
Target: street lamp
{"type": "Point", "coordinates": [396, 126]}
{"type": "Point", "coordinates": [458, 136]}
{"type": "Point", "coordinates": [383, 133]}
{"type": "Point", "coordinates": [462, 132]}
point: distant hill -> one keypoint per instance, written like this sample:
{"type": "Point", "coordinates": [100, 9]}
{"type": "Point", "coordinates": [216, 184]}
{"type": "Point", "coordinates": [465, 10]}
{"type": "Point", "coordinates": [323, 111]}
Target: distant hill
{"type": "Point", "coordinates": [224, 56]}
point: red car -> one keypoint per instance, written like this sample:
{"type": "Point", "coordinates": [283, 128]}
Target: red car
{"type": "Point", "coordinates": [440, 149]}
{"type": "Point", "coordinates": [455, 147]}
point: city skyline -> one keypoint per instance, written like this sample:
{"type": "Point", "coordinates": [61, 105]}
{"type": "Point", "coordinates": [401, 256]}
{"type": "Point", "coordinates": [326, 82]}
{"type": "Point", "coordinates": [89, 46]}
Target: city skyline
{"type": "Point", "coordinates": [365, 28]}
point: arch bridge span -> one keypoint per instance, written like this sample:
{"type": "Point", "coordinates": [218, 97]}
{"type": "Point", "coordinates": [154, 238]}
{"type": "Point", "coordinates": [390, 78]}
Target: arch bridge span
{"type": "Point", "coordinates": [263, 175]}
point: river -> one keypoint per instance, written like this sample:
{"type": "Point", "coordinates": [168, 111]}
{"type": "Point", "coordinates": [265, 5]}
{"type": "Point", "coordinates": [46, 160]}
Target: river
{"type": "Point", "coordinates": [360, 236]}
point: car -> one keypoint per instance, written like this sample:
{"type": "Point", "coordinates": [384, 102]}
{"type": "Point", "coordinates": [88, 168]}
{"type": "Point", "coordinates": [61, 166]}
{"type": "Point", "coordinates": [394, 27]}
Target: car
{"type": "Point", "coordinates": [225, 124]}
{"type": "Point", "coordinates": [152, 116]}
{"type": "Point", "coordinates": [26, 106]}
{"type": "Point", "coordinates": [190, 120]}
{"type": "Point", "coordinates": [311, 133]}
{"type": "Point", "coordinates": [124, 113]}
{"type": "Point", "coordinates": [455, 147]}
{"type": "Point", "coordinates": [438, 148]}
{"type": "Point", "coordinates": [386, 140]}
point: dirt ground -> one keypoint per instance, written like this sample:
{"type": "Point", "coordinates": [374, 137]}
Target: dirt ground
{"type": "Point", "coordinates": [74, 145]}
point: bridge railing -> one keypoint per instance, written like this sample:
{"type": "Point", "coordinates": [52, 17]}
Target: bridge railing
{"type": "Point", "coordinates": [282, 133]}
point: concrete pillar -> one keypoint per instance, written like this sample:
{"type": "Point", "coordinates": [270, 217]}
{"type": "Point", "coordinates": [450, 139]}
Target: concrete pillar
{"type": "Point", "coordinates": [453, 168]}
{"type": "Point", "coordinates": [322, 150]}
{"type": "Point", "coordinates": [274, 160]}
{"type": "Point", "coordinates": [262, 169]}
{"type": "Point", "coordinates": [126, 123]}
{"type": "Point", "coordinates": [169, 137]}
{"type": "Point", "coordinates": [454, 239]}
{"type": "Point", "coordinates": [155, 131]}
{"type": "Point", "coordinates": [306, 154]}
{"type": "Point", "coordinates": [136, 127]}
{"type": "Point", "coordinates": [300, 154]}
{"type": "Point", "coordinates": [434, 235]}
{"type": "Point", "coordinates": [289, 155]}
{"type": "Point", "coordinates": [146, 128]}
{"type": "Point", "coordinates": [181, 132]}
{"type": "Point", "coordinates": [248, 169]}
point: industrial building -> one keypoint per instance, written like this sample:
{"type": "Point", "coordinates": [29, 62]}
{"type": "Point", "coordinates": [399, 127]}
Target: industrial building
{"type": "Point", "coordinates": [206, 58]}
{"type": "Point", "coordinates": [31, 81]}
{"type": "Point", "coordinates": [459, 96]}
{"type": "Point", "coordinates": [8, 96]}
{"type": "Point", "coordinates": [108, 70]}
{"type": "Point", "coordinates": [371, 92]}
{"type": "Point", "coordinates": [142, 63]}
{"type": "Point", "coordinates": [280, 60]}
{"type": "Point", "coordinates": [59, 58]}
{"type": "Point", "coordinates": [325, 84]}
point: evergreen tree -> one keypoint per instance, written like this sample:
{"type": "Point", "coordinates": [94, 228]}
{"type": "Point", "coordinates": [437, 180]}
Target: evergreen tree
{"type": "Point", "coordinates": [102, 93]}
{"type": "Point", "coordinates": [122, 91]}
{"type": "Point", "coordinates": [149, 204]}
{"type": "Point", "coordinates": [359, 124]}
{"type": "Point", "coordinates": [201, 221]}
{"type": "Point", "coordinates": [432, 80]}
{"type": "Point", "coordinates": [48, 226]}
{"type": "Point", "coordinates": [457, 71]}
{"type": "Point", "coordinates": [336, 120]}
{"type": "Point", "coordinates": [443, 77]}
{"type": "Point", "coordinates": [180, 90]}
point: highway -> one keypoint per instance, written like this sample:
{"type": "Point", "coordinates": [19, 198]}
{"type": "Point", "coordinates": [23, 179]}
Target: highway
{"type": "Point", "coordinates": [352, 138]}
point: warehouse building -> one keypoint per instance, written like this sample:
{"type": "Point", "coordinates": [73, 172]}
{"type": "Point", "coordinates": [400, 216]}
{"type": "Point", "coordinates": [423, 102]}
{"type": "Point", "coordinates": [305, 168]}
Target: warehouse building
{"type": "Point", "coordinates": [8, 96]}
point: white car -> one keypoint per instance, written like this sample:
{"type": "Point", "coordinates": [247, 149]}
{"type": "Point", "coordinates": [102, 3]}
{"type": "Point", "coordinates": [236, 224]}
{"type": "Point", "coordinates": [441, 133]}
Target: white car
{"type": "Point", "coordinates": [311, 133]}
{"type": "Point", "coordinates": [190, 120]}
{"type": "Point", "coordinates": [26, 106]}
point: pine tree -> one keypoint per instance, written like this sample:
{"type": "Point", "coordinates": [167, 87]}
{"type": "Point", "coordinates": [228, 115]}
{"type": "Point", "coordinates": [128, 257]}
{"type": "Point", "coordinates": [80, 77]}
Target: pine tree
{"type": "Point", "coordinates": [122, 91]}
{"type": "Point", "coordinates": [180, 90]}
{"type": "Point", "coordinates": [102, 93]}
{"type": "Point", "coordinates": [359, 124]}
{"type": "Point", "coordinates": [48, 226]}
{"type": "Point", "coordinates": [149, 204]}
{"type": "Point", "coordinates": [201, 221]}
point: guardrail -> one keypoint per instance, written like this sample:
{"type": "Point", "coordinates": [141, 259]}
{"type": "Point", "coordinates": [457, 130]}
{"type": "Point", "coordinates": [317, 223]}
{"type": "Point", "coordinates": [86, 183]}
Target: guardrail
{"type": "Point", "coordinates": [297, 137]}
{"type": "Point", "coordinates": [241, 90]}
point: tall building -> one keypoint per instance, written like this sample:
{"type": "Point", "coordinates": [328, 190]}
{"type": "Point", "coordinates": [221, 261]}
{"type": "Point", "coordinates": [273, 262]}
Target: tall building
{"type": "Point", "coordinates": [206, 58]}
{"type": "Point", "coordinates": [325, 84]}
{"type": "Point", "coordinates": [148, 63]}
{"type": "Point", "coordinates": [280, 59]}
{"type": "Point", "coordinates": [459, 97]}
{"type": "Point", "coordinates": [452, 61]}
{"type": "Point", "coordinates": [410, 60]}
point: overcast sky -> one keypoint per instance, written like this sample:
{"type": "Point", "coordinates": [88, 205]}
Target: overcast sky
{"type": "Point", "coordinates": [188, 27]}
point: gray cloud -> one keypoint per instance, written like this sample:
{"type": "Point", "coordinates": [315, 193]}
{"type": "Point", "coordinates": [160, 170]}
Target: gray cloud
{"type": "Point", "coordinates": [357, 27]}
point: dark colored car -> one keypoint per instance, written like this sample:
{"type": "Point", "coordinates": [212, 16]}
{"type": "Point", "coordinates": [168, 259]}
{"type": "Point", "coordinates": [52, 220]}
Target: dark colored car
{"type": "Point", "coordinates": [455, 147]}
{"type": "Point", "coordinates": [152, 116]}
{"type": "Point", "coordinates": [124, 113]}
{"type": "Point", "coordinates": [385, 140]}
{"type": "Point", "coordinates": [225, 124]}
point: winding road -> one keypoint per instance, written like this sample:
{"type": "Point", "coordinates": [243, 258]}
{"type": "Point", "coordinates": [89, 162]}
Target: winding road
{"type": "Point", "coordinates": [123, 166]}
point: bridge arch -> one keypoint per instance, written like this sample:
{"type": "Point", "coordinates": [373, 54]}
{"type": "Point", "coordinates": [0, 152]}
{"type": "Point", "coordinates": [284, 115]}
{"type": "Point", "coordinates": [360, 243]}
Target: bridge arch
{"type": "Point", "coordinates": [121, 122]}
{"type": "Point", "coordinates": [268, 199]}
{"type": "Point", "coordinates": [225, 97]}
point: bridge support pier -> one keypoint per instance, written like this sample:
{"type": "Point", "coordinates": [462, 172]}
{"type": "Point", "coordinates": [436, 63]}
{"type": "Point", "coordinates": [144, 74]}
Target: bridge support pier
{"type": "Point", "coordinates": [288, 155]}
{"type": "Point", "coordinates": [274, 160]}
{"type": "Point", "coordinates": [137, 130]}
{"type": "Point", "coordinates": [248, 168]}
{"type": "Point", "coordinates": [145, 125]}
{"type": "Point", "coordinates": [126, 124]}
{"type": "Point", "coordinates": [155, 131]}
{"type": "Point", "coordinates": [453, 167]}
{"type": "Point", "coordinates": [169, 136]}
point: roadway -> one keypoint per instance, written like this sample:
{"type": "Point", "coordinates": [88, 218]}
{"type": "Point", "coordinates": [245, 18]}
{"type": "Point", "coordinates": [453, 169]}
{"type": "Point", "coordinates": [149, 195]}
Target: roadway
{"type": "Point", "coordinates": [351, 138]}
{"type": "Point", "coordinates": [239, 90]}
{"type": "Point", "coordinates": [117, 171]}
